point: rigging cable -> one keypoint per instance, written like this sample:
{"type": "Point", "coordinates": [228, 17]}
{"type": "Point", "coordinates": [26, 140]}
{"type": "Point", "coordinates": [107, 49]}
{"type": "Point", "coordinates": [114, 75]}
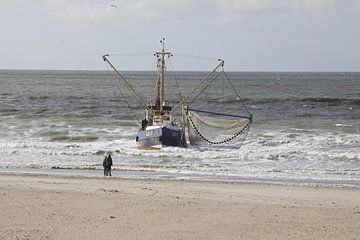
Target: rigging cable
{"type": "Point", "coordinates": [196, 57]}
{"type": "Point", "coordinates": [122, 95]}
{"type": "Point", "coordinates": [176, 81]}
{"type": "Point", "coordinates": [130, 54]}
{"type": "Point", "coordinates": [171, 76]}
{"type": "Point", "coordinates": [246, 108]}
{"type": "Point", "coordinates": [217, 74]}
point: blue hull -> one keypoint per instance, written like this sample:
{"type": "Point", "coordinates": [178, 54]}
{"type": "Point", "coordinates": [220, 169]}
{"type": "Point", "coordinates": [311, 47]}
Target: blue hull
{"type": "Point", "coordinates": [161, 136]}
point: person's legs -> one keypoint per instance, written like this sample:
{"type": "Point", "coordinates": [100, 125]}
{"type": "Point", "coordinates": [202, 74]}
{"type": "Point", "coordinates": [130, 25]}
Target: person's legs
{"type": "Point", "coordinates": [109, 171]}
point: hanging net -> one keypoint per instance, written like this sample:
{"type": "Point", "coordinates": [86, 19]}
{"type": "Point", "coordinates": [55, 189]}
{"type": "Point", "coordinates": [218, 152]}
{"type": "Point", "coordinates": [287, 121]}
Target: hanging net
{"type": "Point", "coordinates": [216, 129]}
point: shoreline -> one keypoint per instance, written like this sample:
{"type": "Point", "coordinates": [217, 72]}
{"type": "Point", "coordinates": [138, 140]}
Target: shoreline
{"type": "Point", "coordinates": [68, 207]}
{"type": "Point", "coordinates": [166, 176]}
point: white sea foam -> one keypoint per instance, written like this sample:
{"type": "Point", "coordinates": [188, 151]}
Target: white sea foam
{"type": "Point", "coordinates": [342, 125]}
{"type": "Point", "coordinates": [272, 155]}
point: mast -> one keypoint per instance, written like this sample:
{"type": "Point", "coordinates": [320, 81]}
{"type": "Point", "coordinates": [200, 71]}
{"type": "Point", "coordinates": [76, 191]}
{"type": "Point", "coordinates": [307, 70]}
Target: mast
{"type": "Point", "coordinates": [161, 77]}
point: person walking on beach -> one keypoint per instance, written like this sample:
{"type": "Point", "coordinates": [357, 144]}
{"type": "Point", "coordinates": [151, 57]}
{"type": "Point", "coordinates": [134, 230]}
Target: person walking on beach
{"type": "Point", "coordinates": [107, 163]}
{"type": "Point", "coordinates": [104, 165]}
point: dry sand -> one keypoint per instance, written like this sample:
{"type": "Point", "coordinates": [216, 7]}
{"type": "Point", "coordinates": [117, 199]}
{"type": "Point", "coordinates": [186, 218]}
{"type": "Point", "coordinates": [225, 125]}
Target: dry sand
{"type": "Point", "coordinates": [50, 207]}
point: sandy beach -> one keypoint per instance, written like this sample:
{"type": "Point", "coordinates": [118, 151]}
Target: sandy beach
{"type": "Point", "coordinates": [56, 207]}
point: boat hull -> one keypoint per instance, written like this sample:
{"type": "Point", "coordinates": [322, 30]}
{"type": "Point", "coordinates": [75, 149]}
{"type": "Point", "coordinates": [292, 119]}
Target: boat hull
{"type": "Point", "coordinates": [154, 138]}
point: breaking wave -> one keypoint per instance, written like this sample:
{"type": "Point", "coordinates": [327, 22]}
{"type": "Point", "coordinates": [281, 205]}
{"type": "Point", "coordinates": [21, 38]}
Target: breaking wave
{"type": "Point", "coordinates": [65, 138]}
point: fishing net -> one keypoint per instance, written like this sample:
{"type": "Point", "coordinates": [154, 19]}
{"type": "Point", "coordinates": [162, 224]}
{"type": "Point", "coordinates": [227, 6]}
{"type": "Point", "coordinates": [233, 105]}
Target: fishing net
{"type": "Point", "coordinates": [216, 129]}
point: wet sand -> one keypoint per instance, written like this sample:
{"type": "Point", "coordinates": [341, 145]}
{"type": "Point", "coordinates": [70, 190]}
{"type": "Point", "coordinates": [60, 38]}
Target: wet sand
{"type": "Point", "coordinates": [58, 207]}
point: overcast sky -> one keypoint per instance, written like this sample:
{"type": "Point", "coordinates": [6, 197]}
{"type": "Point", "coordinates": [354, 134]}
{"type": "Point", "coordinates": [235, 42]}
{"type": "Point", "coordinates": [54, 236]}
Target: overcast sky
{"type": "Point", "coordinates": [251, 35]}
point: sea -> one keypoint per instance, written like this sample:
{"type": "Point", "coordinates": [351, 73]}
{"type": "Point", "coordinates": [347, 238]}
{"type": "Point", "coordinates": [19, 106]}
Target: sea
{"type": "Point", "coordinates": [306, 128]}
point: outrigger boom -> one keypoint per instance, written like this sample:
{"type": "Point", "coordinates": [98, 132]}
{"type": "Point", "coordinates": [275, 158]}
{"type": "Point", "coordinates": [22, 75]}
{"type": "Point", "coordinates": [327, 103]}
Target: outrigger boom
{"type": "Point", "coordinates": [221, 64]}
{"type": "Point", "coordinates": [128, 85]}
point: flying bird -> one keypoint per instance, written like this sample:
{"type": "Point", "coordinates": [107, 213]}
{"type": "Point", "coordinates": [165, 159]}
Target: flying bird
{"type": "Point", "coordinates": [113, 5]}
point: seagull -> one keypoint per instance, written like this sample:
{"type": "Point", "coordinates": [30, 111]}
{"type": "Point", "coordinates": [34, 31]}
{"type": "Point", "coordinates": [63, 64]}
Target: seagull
{"type": "Point", "coordinates": [113, 5]}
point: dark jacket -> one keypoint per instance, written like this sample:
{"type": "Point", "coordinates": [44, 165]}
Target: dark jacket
{"type": "Point", "coordinates": [109, 161]}
{"type": "Point", "coordinates": [105, 162]}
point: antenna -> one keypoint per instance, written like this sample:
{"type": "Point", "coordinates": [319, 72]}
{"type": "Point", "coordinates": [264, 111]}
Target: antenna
{"type": "Point", "coordinates": [162, 41]}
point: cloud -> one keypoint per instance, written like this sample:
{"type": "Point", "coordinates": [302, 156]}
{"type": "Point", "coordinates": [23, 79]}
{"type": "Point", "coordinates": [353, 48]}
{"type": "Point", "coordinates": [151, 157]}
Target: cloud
{"type": "Point", "coordinates": [293, 5]}
{"type": "Point", "coordinates": [78, 11]}
{"type": "Point", "coordinates": [95, 11]}
{"type": "Point", "coordinates": [221, 11]}
{"type": "Point", "coordinates": [232, 10]}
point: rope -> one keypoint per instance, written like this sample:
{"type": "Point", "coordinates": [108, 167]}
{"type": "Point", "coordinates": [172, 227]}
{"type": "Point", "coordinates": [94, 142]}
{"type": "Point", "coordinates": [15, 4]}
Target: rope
{"type": "Point", "coordinates": [127, 84]}
{"type": "Point", "coordinates": [217, 74]}
{"type": "Point", "coordinates": [123, 96]}
{"type": "Point", "coordinates": [198, 85]}
{"type": "Point", "coordinates": [220, 114]}
{"type": "Point", "coordinates": [195, 57]}
{"type": "Point", "coordinates": [231, 85]}
{"type": "Point", "coordinates": [173, 76]}
{"type": "Point", "coordinates": [238, 95]}
{"type": "Point", "coordinates": [130, 54]}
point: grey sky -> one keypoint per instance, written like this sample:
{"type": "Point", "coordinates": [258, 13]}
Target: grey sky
{"type": "Point", "coordinates": [251, 35]}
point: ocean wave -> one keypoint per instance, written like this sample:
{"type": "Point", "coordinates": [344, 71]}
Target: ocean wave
{"type": "Point", "coordinates": [65, 138]}
{"type": "Point", "coordinates": [33, 98]}
{"type": "Point", "coordinates": [333, 101]}
{"type": "Point", "coordinates": [307, 100]}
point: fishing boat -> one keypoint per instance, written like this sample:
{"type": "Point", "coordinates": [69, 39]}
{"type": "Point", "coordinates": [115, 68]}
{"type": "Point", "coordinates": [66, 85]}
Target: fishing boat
{"type": "Point", "coordinates": [176, 123]}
